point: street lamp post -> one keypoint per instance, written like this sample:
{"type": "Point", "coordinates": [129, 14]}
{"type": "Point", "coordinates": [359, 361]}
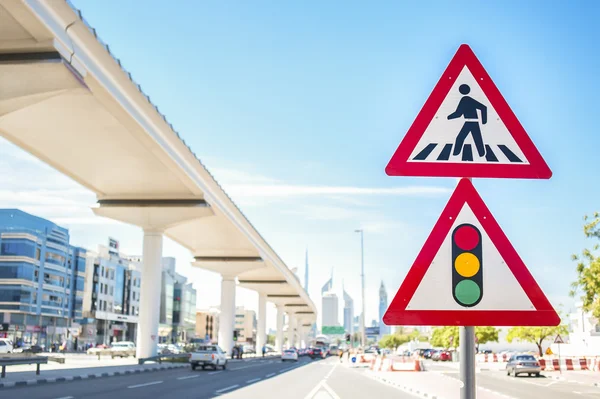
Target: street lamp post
{"type": "Point", "coordinates": [363, 338]}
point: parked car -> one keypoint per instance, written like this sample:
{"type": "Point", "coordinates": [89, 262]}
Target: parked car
{"type": "Point", "coordinates": [427, 353]}
{"type": "Point", "coordinates": [289, 354]}
{"type": "Point", "coordinates": [523, 364]}
{"type": "Point", "coordinates": [444, 356]}
{"type": "Point", "coordinates": [249, 349]}
{"type": "Point", "coordinates": [122, 349]}
{"type": "Point", "coordinates": [29, 349]}
{"type": "Point", "coordinates": [208, 355]}
{"type": "Point", "coordinates": [6, 345]}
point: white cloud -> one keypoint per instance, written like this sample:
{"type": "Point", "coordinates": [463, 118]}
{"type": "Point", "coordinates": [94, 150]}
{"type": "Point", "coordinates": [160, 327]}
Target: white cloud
{"type": "Point", "coordinates": [286, 190]}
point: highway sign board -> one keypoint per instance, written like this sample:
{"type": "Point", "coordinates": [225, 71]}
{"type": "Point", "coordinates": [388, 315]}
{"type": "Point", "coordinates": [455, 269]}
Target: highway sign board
{"type": "Point", "coordinates": [332, 330]}
{"type": "Point", "coordinates": [467, 129]}
{"type": "Point", "coordinates": [469, 274]}
{"type": "Point", "coordinates": [372, 331]}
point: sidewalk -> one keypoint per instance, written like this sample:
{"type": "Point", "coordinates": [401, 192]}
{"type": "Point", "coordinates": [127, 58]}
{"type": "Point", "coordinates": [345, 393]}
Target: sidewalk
{"type": "Point", "coordinates": [428, 384]}
{"type": "Point", "coordinates": [70, 373]}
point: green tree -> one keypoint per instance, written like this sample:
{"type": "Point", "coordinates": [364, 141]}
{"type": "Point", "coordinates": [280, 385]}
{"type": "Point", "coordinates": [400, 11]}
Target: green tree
{"type": "Point", "coordinates": [536, 335]}
{"type": "Point", "coordinates": [588, 269]}
{"type": "Point", "coordinates": [393, 341]}
{"type": "Point", "coordinates": [449, 336]}
{"type": "Point", "coordinates": [271, 339]}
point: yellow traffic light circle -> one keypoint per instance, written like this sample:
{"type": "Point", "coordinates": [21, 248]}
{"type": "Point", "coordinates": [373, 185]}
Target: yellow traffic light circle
{"type": "Point", "coordinates": [467, 264]}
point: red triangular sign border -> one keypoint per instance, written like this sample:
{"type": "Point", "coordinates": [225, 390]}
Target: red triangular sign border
{"type": "Point", "coordinates": [400, 166]}
{"type": "Point", "coordinates": [397, 314]}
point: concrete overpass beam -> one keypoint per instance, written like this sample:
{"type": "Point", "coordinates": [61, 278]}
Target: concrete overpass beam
{"type": "Point", "coordinates": [261, 323]}
{"type": "Point", "coordinates": [227, 316]}
{"type": "Point", "coordinates": [147, 335]}
{"type": "Point", "coordinates": [279, 339]}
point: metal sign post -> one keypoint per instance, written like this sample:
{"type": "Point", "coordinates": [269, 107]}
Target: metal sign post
{"type": "Point", "coordinates": [559, 368]}
{"type": "Point", "coordinates": [467, 362]}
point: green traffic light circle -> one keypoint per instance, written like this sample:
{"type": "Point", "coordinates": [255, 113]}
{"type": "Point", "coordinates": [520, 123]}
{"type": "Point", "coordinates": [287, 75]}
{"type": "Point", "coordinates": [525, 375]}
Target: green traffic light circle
{"type": "Point", "coordinates": [467, 292]}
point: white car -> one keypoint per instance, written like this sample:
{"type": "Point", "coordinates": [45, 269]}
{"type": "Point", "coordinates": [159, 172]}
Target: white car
{"type": "Point", "coordinates": [122, 349]}
{"type": "Point", "coordinates": [289, 354]}
{"type": "Point", "coordinates": [6, 345]}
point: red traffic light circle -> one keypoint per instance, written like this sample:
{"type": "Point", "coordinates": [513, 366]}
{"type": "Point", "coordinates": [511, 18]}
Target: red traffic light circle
{"type": "Point", "coordinates": [466, 237]}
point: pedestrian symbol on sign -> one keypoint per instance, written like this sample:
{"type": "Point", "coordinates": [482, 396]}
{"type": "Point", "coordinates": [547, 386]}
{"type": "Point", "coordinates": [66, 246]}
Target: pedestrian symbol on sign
{"type": "Point", "coordinates": [467, 108]}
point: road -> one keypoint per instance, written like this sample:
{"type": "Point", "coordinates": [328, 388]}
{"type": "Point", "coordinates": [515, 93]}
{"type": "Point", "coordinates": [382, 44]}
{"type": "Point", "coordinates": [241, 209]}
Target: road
{"type": "Point", "coordinates": [496, 384]}
{"type": "Point", "coordinates": [252, 379]}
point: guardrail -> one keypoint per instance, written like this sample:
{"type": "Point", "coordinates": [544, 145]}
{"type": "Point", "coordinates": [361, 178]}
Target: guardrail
{"type": "Point", "coordinates": [15, 361]}
{"type": "Point", "coordinates": [160, 358]}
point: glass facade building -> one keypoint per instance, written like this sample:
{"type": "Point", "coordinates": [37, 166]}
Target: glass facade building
{"type": "Point", "coordinates": [41, 280]}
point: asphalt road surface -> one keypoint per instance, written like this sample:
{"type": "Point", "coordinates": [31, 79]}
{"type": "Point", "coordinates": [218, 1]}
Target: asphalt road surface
{"type": "Point", "coordinates": [254, 379]}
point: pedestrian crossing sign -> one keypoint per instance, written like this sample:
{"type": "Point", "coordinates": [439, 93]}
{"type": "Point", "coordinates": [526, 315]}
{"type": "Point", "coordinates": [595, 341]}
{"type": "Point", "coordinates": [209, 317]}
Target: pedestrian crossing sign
{"type": "Point", "coordinates": [467, 129]}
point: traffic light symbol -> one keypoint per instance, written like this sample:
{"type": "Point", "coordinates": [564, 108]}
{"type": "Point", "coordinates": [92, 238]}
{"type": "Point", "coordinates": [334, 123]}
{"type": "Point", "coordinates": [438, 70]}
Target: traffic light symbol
{"type": "Point", "coordinates": [467, 265]}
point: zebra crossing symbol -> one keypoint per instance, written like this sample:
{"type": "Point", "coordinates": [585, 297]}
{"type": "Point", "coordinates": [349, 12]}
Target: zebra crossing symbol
{"type": "Point", "coordinates": [467, 129]}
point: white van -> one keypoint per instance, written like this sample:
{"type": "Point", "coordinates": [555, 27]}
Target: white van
{"type": "Point", "coordinates": [6, 345]}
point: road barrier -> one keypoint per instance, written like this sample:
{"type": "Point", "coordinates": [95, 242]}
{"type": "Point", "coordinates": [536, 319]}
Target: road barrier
{"type": "Point", "coordinates": [16, 361]}
{"type": "Point", "coordinates": [391, 364]}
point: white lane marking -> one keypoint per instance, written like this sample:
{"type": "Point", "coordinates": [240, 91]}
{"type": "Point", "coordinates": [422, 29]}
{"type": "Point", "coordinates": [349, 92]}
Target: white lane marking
{"type": "Point", "coordinates": [188, 376]}
{"type": "Point", "coordinates": [317, 390]}
{"type": "Point", "coordinates": [67, 397]}
{"type": "Point", "coordinates": [145, 385]}
{"type": "Point", "coordinates": [253, 380]}
{"type": "Point", "coordinates": [322, 385]}
{"type": "Point", "coordinates": [246, 367]}
{"type": "Point", "coordinates": [270, 375]}
{"type": "Point", "coordinates": [215, 372]}
{"type": "Point", "coordinates": [227, 388]}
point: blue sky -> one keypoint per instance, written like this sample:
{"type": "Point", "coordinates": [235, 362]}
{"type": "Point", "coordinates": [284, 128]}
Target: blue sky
{"type": "Point", "coordinates": [296, 107]}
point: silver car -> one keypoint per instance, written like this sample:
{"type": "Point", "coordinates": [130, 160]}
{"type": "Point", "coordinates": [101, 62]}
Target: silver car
{"type": "Point", "coordinates": [523, 364]}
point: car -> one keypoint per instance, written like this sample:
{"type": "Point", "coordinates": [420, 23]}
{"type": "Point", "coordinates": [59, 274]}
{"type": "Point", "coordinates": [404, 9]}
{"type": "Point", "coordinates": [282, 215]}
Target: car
{"type": "Point", "coordinates": [315, 353]}
{"type": "Point", "coordinates": [435, 355]}
{"type": "Point", "coordinates": [249, 349]}
{"type": "Point", "coordinates": [523, 364]}
{"type": "Point", "coordinates": [427, 353]}
{"type": "Point", "coordinates": [289, 354]}
{"type": "Point", "coordinates": [444, 356]}
{"type": "Point", "coordinates": [29, 349]}
{"type": "Point", "coordinates": [208, 355]}
{"type": "Point", "coordinates": [122, 349]}
{"type": "Point", "coordinates": [6, 345]}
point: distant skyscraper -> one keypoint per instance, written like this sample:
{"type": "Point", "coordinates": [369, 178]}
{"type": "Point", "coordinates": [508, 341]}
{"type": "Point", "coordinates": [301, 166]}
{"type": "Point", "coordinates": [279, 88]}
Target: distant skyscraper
{"type": "Point", "coordinates": [306, 272]}
{"type": "Point", "coordinates": [348, 312]}
{"type": "Point", "coordinates": [383, 304]}
{"type": "Point", "coordinates": [328, 285]}
{"type": "Point", "coordinates": [330, 310]}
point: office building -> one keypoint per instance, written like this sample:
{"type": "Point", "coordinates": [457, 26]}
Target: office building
{"type": "Point", "coordinates": [41, 280]}
{"type": "Point", "coordinates": [245, 325]}
{"type": "Point", "coordinates": [383, 304]}
{"type": "Point", "coordinates": [207, 325]}
{"type": "Point", "coordinates": [348, 313]}
{"type": "Point", "coordinates": [112, 296]}
{"type": "Point", "coordinates": [177, 306]}
{"type": "Point", "coordinates": [330, 309]}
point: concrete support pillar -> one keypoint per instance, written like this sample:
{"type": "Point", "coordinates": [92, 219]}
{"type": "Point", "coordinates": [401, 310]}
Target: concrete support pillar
{"type": "Point", "coordinates": [291, 329]}
{"type": "Point", "coordinates": [279, 338]}
{"type": "Point", "coordinates": [227, 316]}
{"type": "Point", "coordinates": [150, 290]}
{"type": "Point", "coordinates": [261, 323]}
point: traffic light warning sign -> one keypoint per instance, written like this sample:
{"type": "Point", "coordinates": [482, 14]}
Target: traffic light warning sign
{"type": "Point", "coordinates": [469, 274]}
